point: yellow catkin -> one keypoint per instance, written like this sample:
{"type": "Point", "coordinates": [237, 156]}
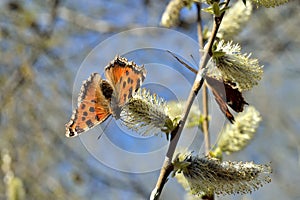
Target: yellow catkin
{"type": "Point", "coordinates": [269, 3]}
{"type": "Point", "coordinates": [235, 137]}
{"type": "Point", "coordinates": [235, 20]}
{"type": "Point", "coordinates": [146, 113]}
{"type": "Point", "coordinates": [208, 175]}
{"type": "Point", "coordinates": [235, 67]}
{"type": "Point", "coordinates": [171, 14]}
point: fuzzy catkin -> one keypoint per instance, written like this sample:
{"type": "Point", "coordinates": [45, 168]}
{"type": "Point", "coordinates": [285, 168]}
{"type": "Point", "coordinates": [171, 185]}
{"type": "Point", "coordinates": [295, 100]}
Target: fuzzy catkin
{"type": "Point", "coordinates": [235, 137]}
{"type": "Point", "coordinates": [176, 108]}
{"type": "Point", "coordinates": [269, 3]}
{"type": "Point", "coordinates": [208, 175]}
{"type": "Point", "coordinates": [235, 67]}
{"type": "Point", "coordinates": [171, 15]}
{"type": "Point", "coordinates": [235, 20]}
{"type": "Point", "coordinates": [146, 113]}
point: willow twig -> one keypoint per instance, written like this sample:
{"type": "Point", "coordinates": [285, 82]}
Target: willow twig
{"type": "Point", "coordinates": [205, 114]}
{"type": "Point", "coordinates": [176, 133]}
{"type": "Point", "coordinates": [205, 122]}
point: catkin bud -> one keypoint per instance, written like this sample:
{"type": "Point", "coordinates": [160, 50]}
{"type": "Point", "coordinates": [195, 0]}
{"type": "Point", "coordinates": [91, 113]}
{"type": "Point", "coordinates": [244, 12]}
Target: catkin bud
{"type": "Point", "coordinates": [209, 175]}
{"type": "Point", "coordinates": [269, 3]}
{"type": "Point", "coordinates": [176, 108]}
{"type": "Point", "coordinates": [147, 114]}
{"type": "Point", "coordinates": [171, 15]}
{"type": "Point", "coordinates": [235, 20]}
{"type": "Point", "coordinates": [235, 67]}
{"type": "Point", "coordinates": [235, 137]}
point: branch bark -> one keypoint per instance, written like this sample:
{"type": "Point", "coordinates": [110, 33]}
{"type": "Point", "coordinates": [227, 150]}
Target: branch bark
{"type": "Point", "coordinates": [176, 133]}
{"type": "Point", "coordinates": [205, 122]}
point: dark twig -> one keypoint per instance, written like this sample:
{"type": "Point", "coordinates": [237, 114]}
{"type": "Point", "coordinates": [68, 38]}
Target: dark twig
{"type": "Point", "coordinates": [205, 122]}
{"type": "Point", "coordinates": [167, 166]}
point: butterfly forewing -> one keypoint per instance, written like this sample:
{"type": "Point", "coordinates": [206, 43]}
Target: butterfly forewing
{"type": "Point", "coordinates": [93, 105]}
{"type": "Point", "coordinates": [126, 77]}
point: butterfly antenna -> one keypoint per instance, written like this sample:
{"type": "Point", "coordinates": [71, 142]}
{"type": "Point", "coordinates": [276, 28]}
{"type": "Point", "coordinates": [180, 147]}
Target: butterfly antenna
{"type": "Point", "coordinates": [104, 128]}
{"type": "Point", "coordinates": [184, 63]}
{"type": "Point", "coordinates": [193, 59]}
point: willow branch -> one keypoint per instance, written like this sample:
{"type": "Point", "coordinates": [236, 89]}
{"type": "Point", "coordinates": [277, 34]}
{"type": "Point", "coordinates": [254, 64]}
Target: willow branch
{"type": "Point", "coordinates": [205, 112]}
{"type": "Point", "coordinates": [199, 27]}
{"type": "Point", "coordinates": [176, 133]}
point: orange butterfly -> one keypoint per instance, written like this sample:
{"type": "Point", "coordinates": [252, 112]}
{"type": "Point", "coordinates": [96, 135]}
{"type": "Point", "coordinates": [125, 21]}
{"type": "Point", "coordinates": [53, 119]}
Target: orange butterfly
{"type": "Point", "coordinates": [100, 98]}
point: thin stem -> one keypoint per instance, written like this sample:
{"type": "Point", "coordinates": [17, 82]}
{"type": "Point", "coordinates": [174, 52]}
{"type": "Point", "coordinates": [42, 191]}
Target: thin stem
{"type": "Point", "coordinates": [205, 123]}
{"type": "Point", "coordinates": [176, 133]}
{"type": "Point", "coordinates": [199, 27]}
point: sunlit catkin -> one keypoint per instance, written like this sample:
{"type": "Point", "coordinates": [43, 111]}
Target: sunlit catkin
{"type": "Point", "coordinates": [233, 66]}
{"type": "Point", "coordinates": [235, 137]}
{"type": "Point", "coordinates": [147, 114]}
{"type": "Point", "coordinates": [269, 3]}
{"type": "Point", "coordinates": [176, 109]}
{"type": "Point", "coordinates": [14, 185]}
{"type": "Point", "coordinates": [235, 20]}
{"type": "Point", "coordinates": [208, 175]}
{"type": "Point", "coordinates": [171, 15]}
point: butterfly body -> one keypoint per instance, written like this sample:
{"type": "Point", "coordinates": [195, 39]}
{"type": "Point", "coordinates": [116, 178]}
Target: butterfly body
{"type": "Point", "coordinates": [99, 98]}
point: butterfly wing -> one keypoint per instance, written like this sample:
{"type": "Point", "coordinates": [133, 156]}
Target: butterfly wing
{"type": "Point", "coordinates": [93, 106]}
{"type": "Point", "coordinates": [125, 77]}
{"type": "Point", "coordinates": [225, 94]}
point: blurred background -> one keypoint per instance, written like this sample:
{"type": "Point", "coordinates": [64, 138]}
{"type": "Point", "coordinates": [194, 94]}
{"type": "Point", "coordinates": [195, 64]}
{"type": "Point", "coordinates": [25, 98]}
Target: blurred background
{"type": "Point", "coordinates": [42, 45]}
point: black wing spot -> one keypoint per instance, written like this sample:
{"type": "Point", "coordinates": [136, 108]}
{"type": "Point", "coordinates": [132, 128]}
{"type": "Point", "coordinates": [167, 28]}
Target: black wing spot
{"type": "Point", "coordinates": [83, 118]}
{"type": "Point", "coordinates": [92, 109]}
{"type": "Point", "coordinates": [89, 123]}
{"type": "Point", "coordinates": [124, 97]}
{"type": "Point", "coordinates": [106, 89]}
{"type": "Point", "coordinates": [138, 84]}
{"type": "Point", "coordinates": [130, 92]}
{"type": "Point", "coordinates": [85, 113]}
{"type": "Point", "coordinates": [71, 134]}
{"type": "Point", "coordinates": [127, 72]}
{"type": "Point", "coordinates": [128, 80]}
{"type": "Point", "coordinates": [120, 62]}
{"type": "Point", "coordinates": [82, 106]}
{"type": "Point", "coordinates": [124, 85]}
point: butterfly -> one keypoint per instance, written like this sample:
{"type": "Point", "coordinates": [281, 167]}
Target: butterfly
{"type": "Point", "coordinates": [100, 98]}
{"type": "Point", "coordinates": [224, 92]}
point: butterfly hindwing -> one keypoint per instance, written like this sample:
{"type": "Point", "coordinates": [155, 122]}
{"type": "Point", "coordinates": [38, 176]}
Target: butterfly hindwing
{"type": "Point", "coordinates": [126, 77]}
{"type": "Point", "coordinates": [93, 105]}
{"type": "Point", "coordinates": [225, 93]}
{"type": "Point", "coordinates": [218, 90]}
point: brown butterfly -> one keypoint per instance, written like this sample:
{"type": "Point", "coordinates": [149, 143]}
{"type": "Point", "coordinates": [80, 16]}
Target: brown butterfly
{"type": "Point", "coordinates": [224, 92]}
{"type": "Point", "coordinates": [99, 98]}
